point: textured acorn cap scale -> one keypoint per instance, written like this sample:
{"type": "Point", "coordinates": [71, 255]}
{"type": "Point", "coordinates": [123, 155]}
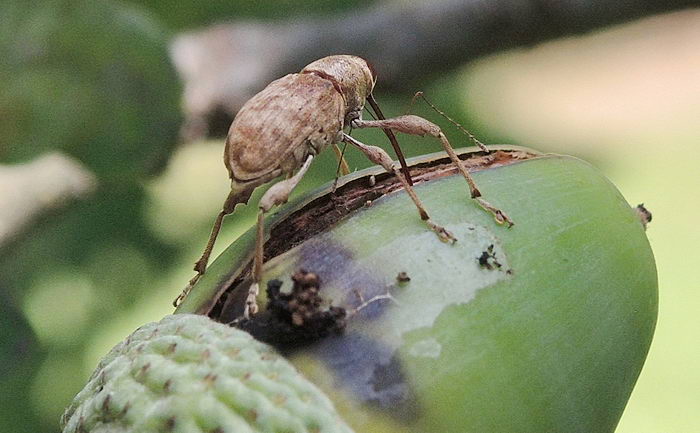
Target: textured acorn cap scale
{"type": "Point", "coordinates": [190, 374]}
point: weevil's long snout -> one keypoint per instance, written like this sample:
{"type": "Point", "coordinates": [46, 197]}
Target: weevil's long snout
{"type": "Point", "coordinates": [352, 75]}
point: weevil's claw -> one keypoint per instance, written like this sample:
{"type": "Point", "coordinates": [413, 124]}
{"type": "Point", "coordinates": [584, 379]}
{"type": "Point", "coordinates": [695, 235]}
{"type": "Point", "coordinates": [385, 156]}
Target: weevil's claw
{"type": "Point", "coordinates": [502, 218]}
{"type": "Point", "coordinates": [180, 297]}
{"type": "Point", "coordinates": [442, 232]}
{"type": "Point", "coordinates": [186, 291]}
{"type": "Point", "coordinates": [499, 215]}
{"type": "Point", "coordinates": [251, 304]}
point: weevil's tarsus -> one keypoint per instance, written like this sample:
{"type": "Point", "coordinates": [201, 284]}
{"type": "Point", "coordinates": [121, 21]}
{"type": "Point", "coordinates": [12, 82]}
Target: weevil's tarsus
{"type": "Point", "coordinates": [416, 125]}
{"type": "Point", "coordinates": [392, 138]}
{"type": "Point", "coordinates": [459, 126]}
{"type": "Point", "coordinates": [379, 156]}
{"type": "Point", "coordinates": [499, 215]}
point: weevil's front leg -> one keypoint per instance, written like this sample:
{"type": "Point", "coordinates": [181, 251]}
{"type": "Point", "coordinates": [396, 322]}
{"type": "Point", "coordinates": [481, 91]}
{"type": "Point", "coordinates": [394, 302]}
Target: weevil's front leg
{"type": "Point", "coordinates": [234, 197]}
{"type": "Point", "coordinates": [343, 167]}
{"type": "Point", "coordinates": [416, 125]}
{"type": "Point", "coordinates": [276, 195]}
{"type": "Point", "coordinates": [378, 156]}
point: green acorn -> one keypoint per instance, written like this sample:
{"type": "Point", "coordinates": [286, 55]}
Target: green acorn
{"type": "Point", "coordinates": [540, 327]}
{"type": "Point", "coordinates": [188, 373]}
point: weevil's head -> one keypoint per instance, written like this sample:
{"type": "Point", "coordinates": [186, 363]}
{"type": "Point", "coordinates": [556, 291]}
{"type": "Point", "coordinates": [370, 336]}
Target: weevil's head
{"type": "Point", "coordinates": [353, 76]}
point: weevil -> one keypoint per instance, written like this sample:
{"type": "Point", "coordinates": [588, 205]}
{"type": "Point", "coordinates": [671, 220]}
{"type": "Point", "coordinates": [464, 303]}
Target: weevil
{"type": "Point", "coordinates": [280, 130]}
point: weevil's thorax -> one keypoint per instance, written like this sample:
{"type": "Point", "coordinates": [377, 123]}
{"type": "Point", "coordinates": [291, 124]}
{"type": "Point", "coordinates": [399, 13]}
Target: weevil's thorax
{"type": "Point", "coordinates": [352, 76]}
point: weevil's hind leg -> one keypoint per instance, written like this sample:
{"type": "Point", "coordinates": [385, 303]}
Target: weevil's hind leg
{"type": "Point", "coordinates": [200, 266]}
{"type": "Point", "coordinates": [276, 195]}
{"type": "Point", "coordinates": [415, 125]}
{"type": "Point", "coordinates": [229, 205]}
{"type": "Point", "coordinates": [378, 156]}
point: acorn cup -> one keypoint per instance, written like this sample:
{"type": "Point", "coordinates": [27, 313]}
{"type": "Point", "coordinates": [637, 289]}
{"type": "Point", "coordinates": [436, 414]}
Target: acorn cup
{"type": "Point", "coordinates": [188, 373]}
{"type": "Point", "coordinates": [539, 327]}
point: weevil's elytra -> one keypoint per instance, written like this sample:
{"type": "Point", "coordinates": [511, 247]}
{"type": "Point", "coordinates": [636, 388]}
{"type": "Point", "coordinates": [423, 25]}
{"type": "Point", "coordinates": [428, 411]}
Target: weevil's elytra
{"type": "Point", "coordinates": [261, 140]}
{"type": "Point", "coordinates": [280, 130]}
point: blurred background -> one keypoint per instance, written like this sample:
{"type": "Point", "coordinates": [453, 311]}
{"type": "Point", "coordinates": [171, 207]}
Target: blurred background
{"type": "Point", "coordinates": [110, 178]}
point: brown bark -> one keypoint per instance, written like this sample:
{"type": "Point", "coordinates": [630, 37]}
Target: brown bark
{"type": "Point", "coordinates": [225, 65]}
{"type": "Point", "coordinates": [29, 191]}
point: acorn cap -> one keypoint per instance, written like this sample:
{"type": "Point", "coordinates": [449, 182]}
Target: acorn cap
{"type": "Point", "coordinates": [188, 373]}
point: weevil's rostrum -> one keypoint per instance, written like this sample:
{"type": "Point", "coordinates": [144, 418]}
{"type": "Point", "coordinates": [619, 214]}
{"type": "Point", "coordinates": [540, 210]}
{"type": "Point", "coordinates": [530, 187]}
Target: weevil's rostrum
{"type": "Point", "coordinates": [280, 130]}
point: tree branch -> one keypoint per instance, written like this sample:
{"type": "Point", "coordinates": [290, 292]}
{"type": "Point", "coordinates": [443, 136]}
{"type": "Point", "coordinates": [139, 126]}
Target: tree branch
{"type": "Point", "coordinates": [223, 66]}
{"type": "Point", "coordinates": [28, 191]}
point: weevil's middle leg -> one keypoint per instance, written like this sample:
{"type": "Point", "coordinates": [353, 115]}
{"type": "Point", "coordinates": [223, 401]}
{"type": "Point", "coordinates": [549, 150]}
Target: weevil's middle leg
{"type": "Point", "coordinates": [200, 266]}
{"type": "Point", "coordinates": [276, 195]}
{"type": "Point", "coordinates": [416, 125]}
{"type": "Point", "coordinates": [378, 156]}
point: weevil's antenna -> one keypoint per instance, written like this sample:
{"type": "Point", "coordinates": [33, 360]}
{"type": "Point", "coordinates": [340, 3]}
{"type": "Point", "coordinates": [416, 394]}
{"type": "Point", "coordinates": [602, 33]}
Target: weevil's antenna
{"type": "Point", "coordinates": [452, 121]}
{"type": "Point", "coordinates": [392, 138]}
{"type": "Point", "coordinates": [409, 107]}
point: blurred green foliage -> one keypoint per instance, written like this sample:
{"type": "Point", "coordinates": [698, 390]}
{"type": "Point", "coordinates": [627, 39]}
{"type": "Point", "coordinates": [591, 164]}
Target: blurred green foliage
{"type": "Point", "coordinates": [190, 14]}
{"type": "Point", "coordinates": [93, 79]}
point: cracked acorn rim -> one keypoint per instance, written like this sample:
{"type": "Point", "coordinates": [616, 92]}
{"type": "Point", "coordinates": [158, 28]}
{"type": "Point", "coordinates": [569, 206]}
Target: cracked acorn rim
{"type": "Point", "coordinates": [357, 188]}
{"type": "Point", "coordinates": [540, 327]}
